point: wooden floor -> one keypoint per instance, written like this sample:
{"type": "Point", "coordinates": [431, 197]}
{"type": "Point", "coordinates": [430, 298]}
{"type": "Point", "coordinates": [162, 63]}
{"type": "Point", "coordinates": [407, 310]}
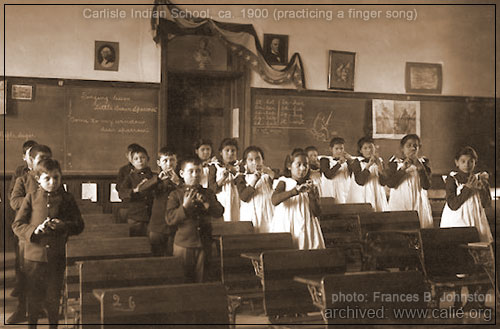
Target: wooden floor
{"type": "Point", "coordinates": [247, 319]}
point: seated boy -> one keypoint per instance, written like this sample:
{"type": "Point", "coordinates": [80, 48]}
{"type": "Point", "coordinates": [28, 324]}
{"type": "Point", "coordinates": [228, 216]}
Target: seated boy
{"type": "Point", "coordinates": [161, 235]}
{"type": "Point", "coordinates": [46, 218]}
{"type": "Point", "coordinates": [138, 203]}
{"type": "Point", "coordinates": [190, 207]}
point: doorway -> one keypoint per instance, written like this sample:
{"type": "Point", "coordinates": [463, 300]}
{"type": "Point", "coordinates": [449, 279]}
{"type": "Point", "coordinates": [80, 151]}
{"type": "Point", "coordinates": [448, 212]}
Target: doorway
{"type": "Point", "coordinates": [198, 107]}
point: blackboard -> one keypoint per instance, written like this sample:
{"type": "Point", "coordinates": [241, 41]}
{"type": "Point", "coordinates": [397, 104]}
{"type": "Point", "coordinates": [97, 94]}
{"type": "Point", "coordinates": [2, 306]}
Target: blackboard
{"type": "Point", "coordinates": [283, 119]}
{"type": "Point", "coordinates": [88, 125]}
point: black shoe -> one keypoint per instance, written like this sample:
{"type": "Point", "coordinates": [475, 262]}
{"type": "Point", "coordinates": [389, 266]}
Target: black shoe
{"type": "Point", "coordinates": [17, 317]}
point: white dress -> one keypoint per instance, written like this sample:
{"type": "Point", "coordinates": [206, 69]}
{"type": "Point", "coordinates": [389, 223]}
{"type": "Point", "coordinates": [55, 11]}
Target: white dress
{"type": "Point", "coordinates": [294, 215]}
{"type": "Point", "coordinates": [372, 192]}
{"type": "Point", "coordinates": [338, 186]}
{"type": "Point", "coordinates": [409, 195]}
{"type": "Point", "coordinates": [228, 196]}
{"type": "Point", "coordinates": [470, 213]}
{"type": "Point", "coordinates": [259, 209]}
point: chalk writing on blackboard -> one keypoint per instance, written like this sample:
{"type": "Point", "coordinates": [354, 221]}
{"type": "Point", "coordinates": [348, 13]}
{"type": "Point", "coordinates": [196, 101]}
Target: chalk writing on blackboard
{"type": "Point", "coordinates": [20, 135]}
{"type": "Point", "coordinates": [279, 113]}
{"type": "Point", "coordinates": [320, 129]}
{"type": "Point", "coordinates": [113, 103]}
{"type": "Point", "coordinates": [113, 125]}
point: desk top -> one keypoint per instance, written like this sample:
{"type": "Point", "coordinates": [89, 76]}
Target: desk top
{"type": "Point", "coordinates": [311, 280]}
{"type": "Point", "coordinates": [476, 245]}
{"type": "Point", "coordinates": [251, 255]}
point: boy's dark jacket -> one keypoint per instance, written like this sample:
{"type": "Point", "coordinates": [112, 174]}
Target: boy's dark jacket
{"type": "Point", "coordinates": [194, 227]}
{"type": "Point", "coordinates": [161, 190]}
{"type": "Point", "coordinates": [139, 204]}
{"type": "Point", "coordinates": [36, 207]}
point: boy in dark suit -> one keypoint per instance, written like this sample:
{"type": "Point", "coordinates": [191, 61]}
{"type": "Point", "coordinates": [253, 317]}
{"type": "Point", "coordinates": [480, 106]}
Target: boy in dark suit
{"type": "Point", "coordinates": [24, 183]}
{"type": "Point", "coordinates": [138, 203]}
{"type": "Point", "coordinates": [161, 235]}
{"type": "Point", "coordinates": [190, 208]}
{"type": "Point", "coordinates": [123, 173]}
{"type": "Point", "coordinates": [46, 218]}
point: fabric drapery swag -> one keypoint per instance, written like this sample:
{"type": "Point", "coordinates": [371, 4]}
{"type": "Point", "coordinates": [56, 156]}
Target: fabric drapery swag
{"type": "Point", "coordinates": [241, 39]}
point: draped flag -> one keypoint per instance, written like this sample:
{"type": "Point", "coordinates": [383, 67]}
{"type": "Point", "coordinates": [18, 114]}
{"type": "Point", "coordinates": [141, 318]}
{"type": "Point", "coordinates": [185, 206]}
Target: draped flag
{"type": "Point", "coordinates": [241, 39]}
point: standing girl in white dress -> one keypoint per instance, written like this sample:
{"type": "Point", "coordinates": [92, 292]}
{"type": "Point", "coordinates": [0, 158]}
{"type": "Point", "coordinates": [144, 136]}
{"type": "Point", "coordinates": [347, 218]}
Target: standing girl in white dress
{"type": "Point", "coordinates": [367, 168]}
{"type": "Point", "coordinates": [255, 188]}
{"type": "Point", "coordinates": [467, 194]}
{"type": "Point", "coordinates": [297, 206]}
{"type": "Point", "coordinates": [222, 179]}
{"type": "Point", "coordinates": [314, 172]}
{"type": "Point", "coordinates": [409, 179]}
{"type": "Point", "coordinates": [336, 176]}
{"type": "Point", "coordinates": [203, 150]}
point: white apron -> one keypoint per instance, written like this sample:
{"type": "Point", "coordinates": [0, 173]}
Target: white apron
{"type": "Point", "coordinates": [372, 192]}
{"type": "Point", "coordinates": [295, 216]}
{"type": "Point", "coordinates": [228, 196]}
{"type": "Point", "coordinates": [315, 176]}
{"type": "Point", "coordinates": [204, 176]}
{"type": "Point", "coordinates": [470, 213]}
{"type": "Point", "coordinates": [259, 209]}
{"type": "Point", "coordinates": [338, 186]}
{"type": "Point", "coordinates": [409, 195]}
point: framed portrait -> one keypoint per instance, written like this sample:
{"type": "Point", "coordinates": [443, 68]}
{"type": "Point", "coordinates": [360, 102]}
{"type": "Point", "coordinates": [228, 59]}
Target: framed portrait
{"type": "Point", "coordinates": [423, 78]}
{"type": "Point", "coordinates": [107, 55]}
{"type": "Point", "coordinates": [395, 119]}
{"type": "Point", "coordinates": [197, 52]}
{"type": "Point", "coordinates": [276, 49]}
{"type": "Point", "coordinates": [341, 70]}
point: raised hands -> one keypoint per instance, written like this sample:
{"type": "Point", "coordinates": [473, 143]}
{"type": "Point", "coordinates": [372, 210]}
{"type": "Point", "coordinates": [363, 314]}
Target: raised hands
{"type": "Point", "coordinates": [475, 183]}
{"type": "Point", "coordinates": [189, 197]}
{"type": "Point", "coordinates": [305, 187]}
{"type": "Point", "coordinates": [193, 197]}
{"type": "Point", "coordinates": [136, 189]}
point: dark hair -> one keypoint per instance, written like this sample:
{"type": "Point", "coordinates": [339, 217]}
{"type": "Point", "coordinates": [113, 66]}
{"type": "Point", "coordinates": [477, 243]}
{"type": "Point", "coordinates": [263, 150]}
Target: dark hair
{"type": "Point", "coordinates": [201, 142]}
{"type": "Point", "coordinates": [27, 145]}
{"type": "Point", "coordinates": [166, 151]}
{"type": "Point", "coordinates": [466, 150]}
{"type": "Point", "coordinates": [289, 160]}
{"type": "Point", "coordinates": [139, 149]}
{"type": "Point", "coordinates": [194, 160]}
{"type": "Point", "coordinates": [228, 142]}
{"type": "Point", "coordinates": [408, 137]}
{"type": "Point", "coordinates": [39, 148]}
{"type": "Point", "coordinates": [364, 140]}
{"type": "Point", "coordinates": [132, 147]}
{"type": "Point", "coordinates": [336, 140]}
{"type": "Point", "coordinates": [310, 148]}
{"type": "Point", "coordinates": [252, 148]}
{"type": "Point", "coordinates": [47, 165]}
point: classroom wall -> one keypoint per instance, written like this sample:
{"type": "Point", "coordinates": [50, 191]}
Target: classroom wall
{"type": "Point", "coordinates": [461, 38]}
{"type": "Point", "coordinates": [58, 42]}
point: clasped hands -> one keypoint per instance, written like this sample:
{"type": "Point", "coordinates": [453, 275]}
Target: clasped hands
{"type": "Point", "coordinates": [50, 225]}
{"type": "Point", "coordinates": [192, 197]}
